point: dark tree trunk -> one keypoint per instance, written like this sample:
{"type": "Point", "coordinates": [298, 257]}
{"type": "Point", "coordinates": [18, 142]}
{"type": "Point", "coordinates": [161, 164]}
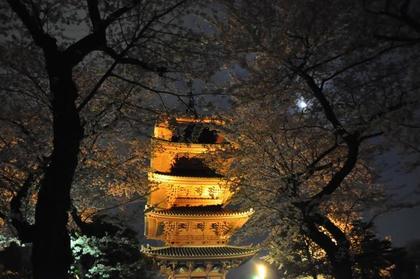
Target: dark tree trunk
{"type": "Point", "coordinates": [23, 228]}
{"type": "Point", "coordinates": [51, 256]}
{"type": "Point", "coordinates": [341, 266]}
{"type": "Point", "coordinates": [336, 248]}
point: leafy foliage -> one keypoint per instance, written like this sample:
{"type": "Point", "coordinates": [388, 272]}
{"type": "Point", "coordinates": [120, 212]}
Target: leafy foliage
{"type": "Point", "coordinates": [109, 256]}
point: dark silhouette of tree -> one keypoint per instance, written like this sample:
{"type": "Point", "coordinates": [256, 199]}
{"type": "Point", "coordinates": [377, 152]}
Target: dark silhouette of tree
{"type": "Point", "coordinates": [374, 257]}
{"type": "Point", "coordinates": [112, 39]}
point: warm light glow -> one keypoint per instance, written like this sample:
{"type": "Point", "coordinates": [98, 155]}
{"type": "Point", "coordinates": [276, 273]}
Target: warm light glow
{"type": "Point", "coordinates": [261, 271]}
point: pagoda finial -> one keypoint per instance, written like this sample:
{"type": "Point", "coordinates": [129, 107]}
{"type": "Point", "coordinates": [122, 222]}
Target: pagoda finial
{"type": "Point", "coordinates": [191, 101]}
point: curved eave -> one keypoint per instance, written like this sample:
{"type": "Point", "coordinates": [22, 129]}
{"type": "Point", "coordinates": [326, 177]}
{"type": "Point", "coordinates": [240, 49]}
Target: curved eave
{"type": "Point", "coordinates": [190, 213]}
{"type": "Point", "coordinates": [199, 253]}
{"type": "Point", "coordinates": [200, 120]}
{"type": "Point", "coordinates": [167, 178]}
{"type": "Point", "coordinates": [185, 119]}
{"type": "Point", "coordinates": [194, 148]}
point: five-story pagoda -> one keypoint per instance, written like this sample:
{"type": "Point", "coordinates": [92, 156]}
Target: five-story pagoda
{"type": "Point", "coordinates": [186, 207]}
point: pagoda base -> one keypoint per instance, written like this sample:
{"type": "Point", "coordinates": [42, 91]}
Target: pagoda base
{"type": "Point", "coordinates": [193, 275]}
{"type": "Point", "coordinates": [203, 262]}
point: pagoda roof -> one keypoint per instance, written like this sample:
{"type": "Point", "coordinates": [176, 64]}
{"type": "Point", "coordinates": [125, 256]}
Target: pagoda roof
{"type": "Point", "coordinates": [191, 147]}
{"type": "Point", "coordinates": [208, 211]}
{"type": "Point", "coordinates": [200, 252]}
{"type": "Point", "coordinates": [168, 177]}
{"type": "Point", "coordinates": [191, 119]}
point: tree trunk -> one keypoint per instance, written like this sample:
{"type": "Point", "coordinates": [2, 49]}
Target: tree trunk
{"type": "Point", "coordinates": [339, 257]}
{"type": "Point", "coordinates": [336, 248]}
{"type": "Point", "coordinates": [340, 261]}
{"type": "Point", "coordinates": [51, 256]}
{"type": "Point", "coordinates": [341, 267]}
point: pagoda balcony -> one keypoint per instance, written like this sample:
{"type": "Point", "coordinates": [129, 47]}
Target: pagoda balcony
{"type": "Point", "coordinates": [201, 225]}
{"type": "Point", "coordinates": [169, 190]}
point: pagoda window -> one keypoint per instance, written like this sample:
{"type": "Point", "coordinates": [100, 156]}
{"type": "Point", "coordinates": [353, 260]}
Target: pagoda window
{"type": "Point", "coordinates": [199, 190]}
{"type": "Point", "coordinates": [214, 227]}
{"type": "Point", "coordinates": [212, 191]}
{"type": "Point", "coordinates": [200, 226]}
{"type": "Point", "coordinates": [199, 269]}
{"type": "Point", "coordinates": [160, 229]}
{"type": "Point", "coordinates": [182, 227]}
{"type": "Point", "coordinates": [182, 269]}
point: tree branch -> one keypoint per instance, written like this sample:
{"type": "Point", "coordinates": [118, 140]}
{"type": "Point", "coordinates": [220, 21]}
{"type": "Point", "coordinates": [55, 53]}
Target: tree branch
{"type": "Point", "coordinates": [325, 104]}
{"type": "Point", "coordinates": [94, 15]}
{"type": "Point", "coordinates": [23, 228]}
{"type": "Point", "coordinates": [335, 182]}
{"type": "Point", "coordinates": [41, 39]}
{"type": "Point", "coordinates": [96, 40]}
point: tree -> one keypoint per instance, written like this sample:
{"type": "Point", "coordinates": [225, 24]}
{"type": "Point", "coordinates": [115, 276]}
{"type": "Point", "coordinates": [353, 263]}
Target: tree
{"type": "Point", "coordinates": [141, 38]}
{"type": "Point", "coordinates": [319, 88]}
{"type": "Point", "coordinates": [108, 249]}
{"type": "Point", "coordinates": [373, 257]}
{"type": "Point", "coordinates": [407, 261]}
{"type": "Point", "coordinates": [271, 166]}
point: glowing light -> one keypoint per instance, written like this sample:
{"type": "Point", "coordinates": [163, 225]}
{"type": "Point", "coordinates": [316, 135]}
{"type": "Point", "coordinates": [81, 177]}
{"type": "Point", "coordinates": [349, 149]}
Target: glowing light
{"type": "Point", "coordinates": [261, 271]}
{"type": "Point", "coordinates": [301, 104]}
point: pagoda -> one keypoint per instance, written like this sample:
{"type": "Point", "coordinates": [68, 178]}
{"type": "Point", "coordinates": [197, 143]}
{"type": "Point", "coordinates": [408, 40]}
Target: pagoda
{"type": "Point", "coordinates": [186, 208]}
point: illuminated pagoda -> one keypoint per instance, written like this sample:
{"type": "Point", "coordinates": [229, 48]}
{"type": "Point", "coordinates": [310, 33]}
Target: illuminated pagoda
{"type": "Point", "coordinates": [186, 207]}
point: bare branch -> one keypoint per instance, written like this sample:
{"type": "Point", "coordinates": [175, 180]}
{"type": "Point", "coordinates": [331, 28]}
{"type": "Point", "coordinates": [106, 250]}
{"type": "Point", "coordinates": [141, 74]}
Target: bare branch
{"type": "Point", "coordinates": [94, 14]}
{"type": "Point", "coordinates": [42, 39]}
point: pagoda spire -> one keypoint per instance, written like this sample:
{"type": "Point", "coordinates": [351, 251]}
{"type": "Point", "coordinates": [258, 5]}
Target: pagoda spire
{"type": "Point", "coordinates": [191, 109]}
